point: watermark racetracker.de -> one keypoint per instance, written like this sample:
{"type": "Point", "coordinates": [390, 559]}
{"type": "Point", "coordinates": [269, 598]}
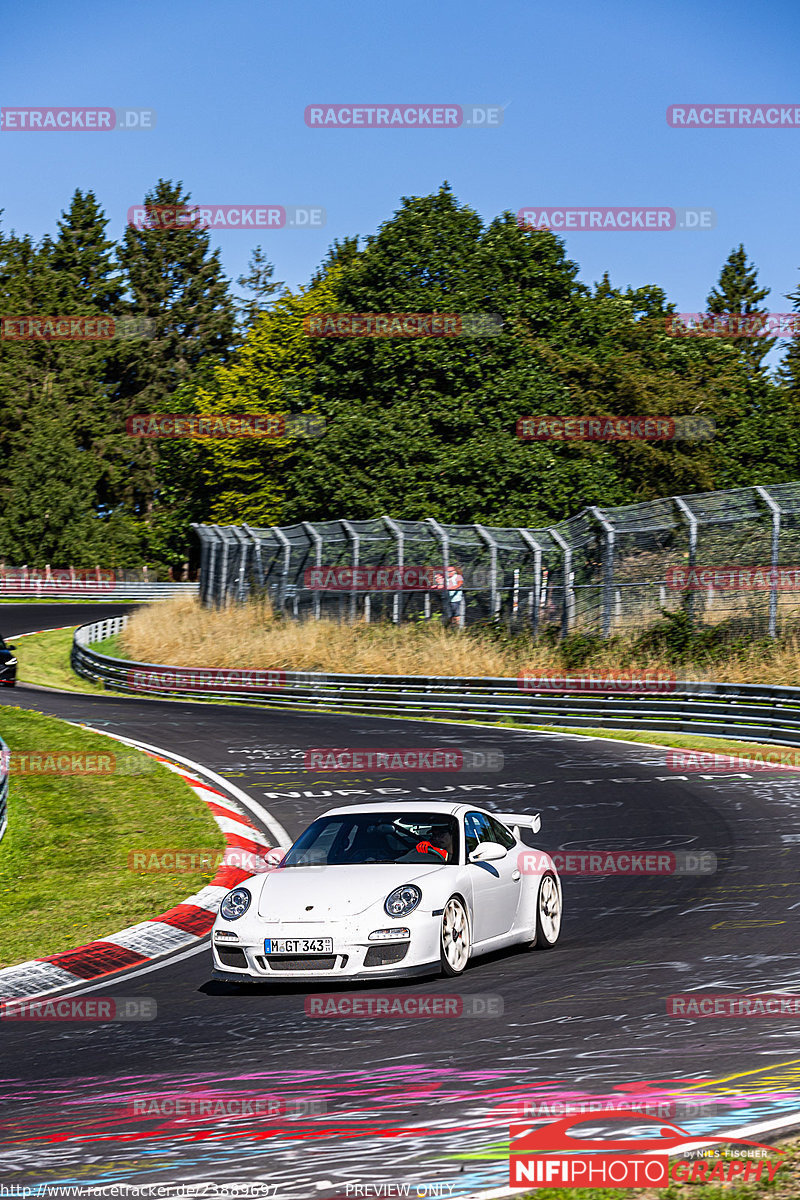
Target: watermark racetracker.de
{"type": "Point", "coordinates": [57, 762]}
{"type": "Point", "coordinates": [603, 682]}
{"type": "Point", "coordinates": [616, 429]}
{"type": "Point", "coordinates": [55, 580]}
{"type": "Point", "coordinates": [75, 120]}
{"type": "Point", "coordinates": [733, 324]}
{"type": "Point", "coordinates": [395, 759]}
{"type": "Point", "coordinates": [733, 116]}
{"type": "Point", "coordinates": [414, 1004]}
{"type": "Point", "coordinates": [733, 1004]}
{"type": "Point", "coordinates": [209, 679]}
{"type": "Point", "coordinates": [733, 578]}
{"type": "Point", "coordinates": [401, 325]}
{"type": "Point", "coordinates": [225, 425]}
{"type": "Point", "coordinates": [224, 1104]}
{"type": "Point", "coordinates": [188, 861]}
{"type": "Point", "coordinates": [33, 327]}
{"type": "Point", "coordinates": [175, 218]}
{"type": "Point", "coordinates": [704, 761]}
{"type": "Point", "coordinates": [403, 116]}
{"type": "Point", "coordinates": [81, 1008]}
{"type": "Point", "coordinates": [619, 862]}
{"type": "Point", "coordinates": [617, 219]}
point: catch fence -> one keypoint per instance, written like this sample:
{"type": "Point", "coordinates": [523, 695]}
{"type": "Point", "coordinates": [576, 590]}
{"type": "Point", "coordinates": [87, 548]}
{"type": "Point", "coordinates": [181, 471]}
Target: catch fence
{"type": "Point", "coordinates": [724, 557]}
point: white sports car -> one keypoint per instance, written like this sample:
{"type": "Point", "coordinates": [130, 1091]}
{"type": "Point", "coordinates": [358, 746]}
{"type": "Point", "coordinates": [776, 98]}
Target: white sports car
{"type": "Point", "coordinates": [390, 890]}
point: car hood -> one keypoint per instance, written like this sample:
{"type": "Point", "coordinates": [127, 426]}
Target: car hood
{"type": "Point", "coordinates": [334, 893]}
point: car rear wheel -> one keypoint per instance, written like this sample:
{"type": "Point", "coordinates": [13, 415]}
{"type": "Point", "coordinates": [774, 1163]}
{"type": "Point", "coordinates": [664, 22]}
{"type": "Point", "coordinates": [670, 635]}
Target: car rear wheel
{"type": "Point", "coordinates": [454, 938]}
{"type": "Point", "coordinates": [548, 913]}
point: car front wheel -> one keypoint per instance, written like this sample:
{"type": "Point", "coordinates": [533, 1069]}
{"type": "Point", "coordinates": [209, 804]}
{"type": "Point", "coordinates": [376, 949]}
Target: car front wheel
{"type": "Point", "coordinates": [454, 938]}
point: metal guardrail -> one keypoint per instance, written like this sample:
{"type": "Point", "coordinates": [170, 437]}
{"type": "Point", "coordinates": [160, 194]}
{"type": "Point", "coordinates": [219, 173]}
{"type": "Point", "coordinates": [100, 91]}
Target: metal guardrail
{"type": "Point", "coordinates": [4, 772]}
{"type": "Point", "coordinates": [746, 712]}
{"type": "Point", "coordinates": [42, 590]}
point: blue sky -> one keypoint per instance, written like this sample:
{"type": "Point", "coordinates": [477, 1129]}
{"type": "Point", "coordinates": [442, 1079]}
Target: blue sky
{"type": "Point", "coordinates": [585, 88]}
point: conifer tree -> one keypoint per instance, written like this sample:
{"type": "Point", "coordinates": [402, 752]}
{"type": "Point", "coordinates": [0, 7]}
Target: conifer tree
{"type": "Point", "coordinates": [738, 292]}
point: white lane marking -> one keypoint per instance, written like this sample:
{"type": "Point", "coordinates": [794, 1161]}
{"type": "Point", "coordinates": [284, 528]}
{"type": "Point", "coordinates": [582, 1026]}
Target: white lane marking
{"type": "Point", "coordinates": [229, 825]}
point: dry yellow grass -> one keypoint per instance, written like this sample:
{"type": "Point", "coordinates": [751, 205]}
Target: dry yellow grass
{"type": "Point", "coordinates": [182, 633]}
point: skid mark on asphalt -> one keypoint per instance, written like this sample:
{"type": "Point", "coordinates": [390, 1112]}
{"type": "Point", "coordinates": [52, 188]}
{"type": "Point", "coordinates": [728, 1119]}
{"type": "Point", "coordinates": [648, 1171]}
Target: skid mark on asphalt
{"type": "Point", "coordinates": [350, 1124]}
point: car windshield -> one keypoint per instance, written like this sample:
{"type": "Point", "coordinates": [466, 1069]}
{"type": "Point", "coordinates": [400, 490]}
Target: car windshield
{"type": "Point", "coordinates": [376, 838]}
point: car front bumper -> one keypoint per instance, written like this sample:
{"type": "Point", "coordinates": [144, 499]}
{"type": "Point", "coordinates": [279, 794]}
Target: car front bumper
{"type": "Point", "coordinates": [354, 956]}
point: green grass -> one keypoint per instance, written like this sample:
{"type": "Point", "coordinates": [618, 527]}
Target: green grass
{"type": "Point", "coordinates": [64, 875]}
{"type": "Point", "coordinates": [44, 659]}
{"type": "Point", "coordinates": [111, 646]}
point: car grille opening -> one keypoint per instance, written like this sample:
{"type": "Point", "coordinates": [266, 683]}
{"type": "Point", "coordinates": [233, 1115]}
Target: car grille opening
{"type": "Point", "coordinates": [297, 962]}
{"type": "Point", "coordinates": [384, 956]}
{"type": "Point", "coordinates": [232, 956]}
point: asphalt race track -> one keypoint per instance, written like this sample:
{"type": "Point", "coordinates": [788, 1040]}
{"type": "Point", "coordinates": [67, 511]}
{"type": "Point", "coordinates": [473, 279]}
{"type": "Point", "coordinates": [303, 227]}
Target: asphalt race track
{"type": "Point", "coordinates": [427, 1100]}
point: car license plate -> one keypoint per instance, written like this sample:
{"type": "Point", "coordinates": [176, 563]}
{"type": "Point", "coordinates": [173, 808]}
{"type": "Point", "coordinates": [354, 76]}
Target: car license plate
{"type": "Point", "coordinates": [298, 945]}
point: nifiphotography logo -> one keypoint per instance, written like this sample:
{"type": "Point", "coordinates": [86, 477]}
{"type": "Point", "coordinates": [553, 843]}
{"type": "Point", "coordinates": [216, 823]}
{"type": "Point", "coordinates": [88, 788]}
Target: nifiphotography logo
{"type": "Point", "coordinates": [549, 1156]}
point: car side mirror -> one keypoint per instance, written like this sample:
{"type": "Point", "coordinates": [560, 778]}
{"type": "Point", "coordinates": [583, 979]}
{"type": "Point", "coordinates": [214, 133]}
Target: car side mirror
{"type": "Point", "coordinates": [488, 852]}
{"type": "Point", "coordinates": [10, 647]}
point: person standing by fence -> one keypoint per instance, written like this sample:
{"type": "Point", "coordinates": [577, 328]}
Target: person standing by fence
{"type": "Point", "coordinates": [452, 591]}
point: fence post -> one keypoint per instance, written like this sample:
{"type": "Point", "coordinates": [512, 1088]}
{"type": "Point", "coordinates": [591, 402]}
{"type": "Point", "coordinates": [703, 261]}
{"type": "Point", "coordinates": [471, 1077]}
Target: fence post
{"type": "Point", "coordinates": [200, 533]}
{"type": "Point", "coordinates": [354, 538]}
{"type": "Point", "coordinates": [568, 605]}
{"type": "Point", "coordinates": [608, 568]}
{"type": "Point", "coordinates": [444, 541]}
{"type": "Point", "coordinates": [241, 543]}
{"type": "Point", "coordinates": [281, 537]}
{"type": "Point", "coordinates": [684, 509]}
{"type": "Point", "coordinates": [494, 604]}
{"type": "Point", "coordinates": [537, 576]}
{"type": "Point", "coordinates": [775, 510]}
{"type": "Point", "coordinates": [257, 563]}
{"type": "Point", "coordinates": [400, 539]}
{"type": "Point", "coordinates": [316, 538]}
{"type": "Point", "coordinates": [214, 590]}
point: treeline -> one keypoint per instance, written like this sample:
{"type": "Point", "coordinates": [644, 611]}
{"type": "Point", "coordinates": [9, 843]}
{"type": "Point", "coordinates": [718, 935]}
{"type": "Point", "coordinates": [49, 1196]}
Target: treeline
{"type": "Point", "coordinates": [413, 427]}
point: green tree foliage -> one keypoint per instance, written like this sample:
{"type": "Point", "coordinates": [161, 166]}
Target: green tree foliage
{"type": "Point", "coordinates": [174, 281]}
{"type": "Point", "coordinates": [738, 292]}
{"type": "Point", "coordinates": [415, 427]}
{"type": "Point", "coordinates": [48, 515]}
{"type": "Point", "coordinates": [263, 288]}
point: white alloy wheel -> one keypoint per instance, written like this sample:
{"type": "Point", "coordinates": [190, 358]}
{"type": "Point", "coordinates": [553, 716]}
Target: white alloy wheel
{"type": "Point", "coordinates": [455, 937]}
{"type": "Point", "coordinates": [548, 913]}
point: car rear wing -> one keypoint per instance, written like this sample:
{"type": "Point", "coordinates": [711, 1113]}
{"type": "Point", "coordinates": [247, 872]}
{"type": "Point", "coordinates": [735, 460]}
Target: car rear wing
{"type": "Point", "coordinates": [521, 820]}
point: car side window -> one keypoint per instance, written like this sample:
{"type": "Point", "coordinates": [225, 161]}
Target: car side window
{"type": "Point", "coordinates": [476, 829]}
{"type": "Point", "coordinates": [501, 834]}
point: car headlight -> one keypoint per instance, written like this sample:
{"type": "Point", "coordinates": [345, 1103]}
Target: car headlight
{"type": "Point", "coordinates": [235, 904]}
{"type": "Point", "coordinates": [402, 900]}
